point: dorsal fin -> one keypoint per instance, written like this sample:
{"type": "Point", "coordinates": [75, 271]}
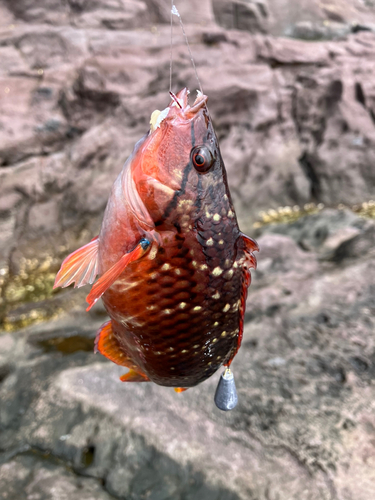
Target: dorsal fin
{"type": "Point", "coordinates": [250, 262]}
{"type": "Point", "coordinates": [80, 267]}
{"type": "Point", "coordinates": [250, 246]}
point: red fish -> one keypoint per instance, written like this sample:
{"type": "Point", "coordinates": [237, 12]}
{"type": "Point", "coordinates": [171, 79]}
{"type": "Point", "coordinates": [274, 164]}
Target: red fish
{"type": "Point", "coordinates": [173, 265]}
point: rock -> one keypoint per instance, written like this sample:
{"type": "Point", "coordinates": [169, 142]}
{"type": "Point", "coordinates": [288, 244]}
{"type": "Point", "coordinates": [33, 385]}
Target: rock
{"type": "Point", "coordinates": [302, 19]}
{"type": "Point", "coordinates": [43, 217]}
{"type": "Point", "coordinates": [78, 83]}
{"type": "Point", "coordinates": [357, 244]}
{"type": "Point", "coordinates": [124, 15]}
{"type": "Point", "coordinates": [285, 51]}
{"type": "Point", "coordinates": [308, 30]}
{"type": "Point", "coordinates": [295, 119]}
{"type": "Point", "coordinates": [304, 378]}
{"type": "Point", "coordinates": [335, 235]}
{"type": "Point", "coordinates": [244, 15]}
{"type": "Point", "coordinates": [278, 116]}
{"type": "Point", "coordinates": [36, 477]}
{"type": "Point", "coordinates": [7, 18]}
{"type": "Point", "coordinates": [12, 62]}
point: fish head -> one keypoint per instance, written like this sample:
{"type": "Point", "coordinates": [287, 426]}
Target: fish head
{"type": "Point", "coordinates": [179, 159]}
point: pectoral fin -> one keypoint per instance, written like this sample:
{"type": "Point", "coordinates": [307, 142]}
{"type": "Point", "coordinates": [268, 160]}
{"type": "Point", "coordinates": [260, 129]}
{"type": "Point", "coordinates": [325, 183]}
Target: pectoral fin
{"type": "Point", "coordinates": [109, 277]}
{"type": "Point", "coordinates": [80, 267]}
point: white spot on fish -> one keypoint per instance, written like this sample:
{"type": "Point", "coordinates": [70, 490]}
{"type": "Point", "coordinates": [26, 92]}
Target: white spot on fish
{"type": "Point", "coordinates": [216, 323]}
{"type": "Point", "coordinates": [217, 217]}
{"type": "Point", "coordinates": [195, 346]}
{"type": "Point", "coordinates": [224, 333]}
{"type": "Point", "coordinates": [204, 267]}
{"type": "Point", "coordinates": [235, 306]}
{"type": "Point", "coordinates": [186, 202]}
{"type": "Point", "coordinates": [182, 305]}
{"type": "Point", "coordinates": [152, 253]}
{"type": "Point", "coordinates": [230, 214]}
{"type": "Point", "coordinates": [228, 274]}
{"type": "Point", "coordinates": [217, 271]}
{"type": "Point", "coordinates": [197, 308]}
{"type": "Point", "coordinates": [216, 295]}
{"type": "Point", "coordinates": [226, 308]}
{"type": "Point", "coordinates": [167, 311]}
{"type": "Point", "coordinates": [214, 340]}
{"type": "Point", "coordinates": [210, 242]}
{"type": "Point", "coordinates": [165, 266]}
{"type": "Point", "coordinates": [184, 351]}
{"type": "Point", "coordinates": [177, 271]}
{"type": "Point", "coordinates": [221, 242]}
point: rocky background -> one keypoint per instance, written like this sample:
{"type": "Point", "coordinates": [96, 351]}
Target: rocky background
{"type": "Point", "coordinates": [292, 94]}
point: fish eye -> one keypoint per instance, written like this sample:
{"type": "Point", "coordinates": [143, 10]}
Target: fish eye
{"type": "Point", "coordinates": [202, 158]}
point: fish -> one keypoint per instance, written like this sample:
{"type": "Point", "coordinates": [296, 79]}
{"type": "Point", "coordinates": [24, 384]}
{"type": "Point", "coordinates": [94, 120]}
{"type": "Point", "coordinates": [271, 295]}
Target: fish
{"type": "Point", "coordinates": [173, 266]}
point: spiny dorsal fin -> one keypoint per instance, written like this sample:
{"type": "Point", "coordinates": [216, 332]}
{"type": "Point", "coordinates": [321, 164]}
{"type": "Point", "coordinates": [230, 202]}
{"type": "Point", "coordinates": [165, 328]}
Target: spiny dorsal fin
{"type": "Point", "coordinates": [80, 267]}
{"type": "Point", "coordinates": [250, 246]}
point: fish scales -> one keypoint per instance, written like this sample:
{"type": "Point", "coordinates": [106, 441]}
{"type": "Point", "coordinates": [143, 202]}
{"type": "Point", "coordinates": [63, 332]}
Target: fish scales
{"type": "Point", "coordinates": [177, 309]}
{"type": "Point", "coordinates": [184, 312]}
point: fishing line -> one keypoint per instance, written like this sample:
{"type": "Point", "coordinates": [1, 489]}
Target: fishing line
{"type": "Point", "coordinates": [175, 12]}
{"type": "Point", "coordinates": [171, 50]}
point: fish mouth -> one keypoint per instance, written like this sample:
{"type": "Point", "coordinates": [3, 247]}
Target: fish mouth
{"type": "Point", "coordinates": [179, 106]}
{"type": "Point", "coordinates": [181, 101]}
{"type": "Point", "coordinates": [200, 102]}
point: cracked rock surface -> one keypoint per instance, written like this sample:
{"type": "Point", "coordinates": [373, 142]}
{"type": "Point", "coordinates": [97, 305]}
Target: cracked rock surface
{"type": "Point", "coordinates": [296, 123]}
{"type": "Point", "coordinates": [304, 426]}
{"type": "Point", "coordinates": [79, 81]}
